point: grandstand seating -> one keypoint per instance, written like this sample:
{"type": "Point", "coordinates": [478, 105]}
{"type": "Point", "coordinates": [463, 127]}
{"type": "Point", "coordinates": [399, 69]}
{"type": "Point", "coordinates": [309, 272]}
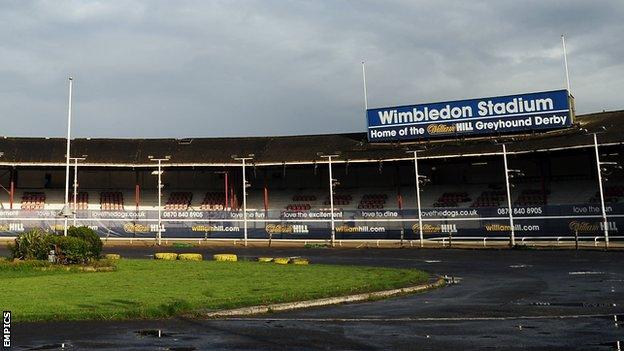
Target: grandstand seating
{"type": "Point", "coordinates": [489, 198]}
{"type": "Point", "coordinates": [373, 201]}
{"type": "Point", "coordinates": [452, 199]}
{"type": "Point", "coordinates": [33, 201]}
{"type": "Point", "coordinates": [302, 203]}
{"type": "Point", "coordinates": [82, 200]}
{"type": "Point", "coordinates": [306, 198]}
{"type": "Point", "coordinates": [612, 194]}
{"type": "Point", "coordinates": [213, 201]}
{"type": "Point", "coordinates": [179, 201]}
{"type": "Point", "coordinates": [339, 200]}
{"type": "Point", "coordinates": [532, 197]}
{"type": "Point", "coordinates": [111, 201]}
{"type": "Point", "coordinates": [298, 207]}
{"type": "Point", "coordinates": [474, 195]}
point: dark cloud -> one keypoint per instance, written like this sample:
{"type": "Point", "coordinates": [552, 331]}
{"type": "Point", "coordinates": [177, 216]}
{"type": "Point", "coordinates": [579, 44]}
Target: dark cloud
{"type": "Point", "coordinates": [230, 68]}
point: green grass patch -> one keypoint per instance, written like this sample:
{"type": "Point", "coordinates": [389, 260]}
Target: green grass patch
{"type": "Point", "coordinates": [158, 289]}
{"type": "Point", "coordinates": [34, 268]}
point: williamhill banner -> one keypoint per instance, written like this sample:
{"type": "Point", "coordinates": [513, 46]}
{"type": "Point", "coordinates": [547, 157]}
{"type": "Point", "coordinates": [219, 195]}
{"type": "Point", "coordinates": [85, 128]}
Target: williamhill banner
{"type": "Point", "coordinates": [556, 221]}
{"type": "Point", "coordinates": [493, 115]}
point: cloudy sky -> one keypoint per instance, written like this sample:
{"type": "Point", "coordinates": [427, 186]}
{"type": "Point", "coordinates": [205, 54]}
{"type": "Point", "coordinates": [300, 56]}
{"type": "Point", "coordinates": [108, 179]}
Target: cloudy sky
{"type": "Point", "coordinates": [238, 68]}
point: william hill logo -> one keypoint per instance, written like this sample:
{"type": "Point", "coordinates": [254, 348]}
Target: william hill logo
{"type": "Point", "coordinates": [286, 229]}
{"type": "Point", "coordinates": [589, 227]}
{"type": "Point", "coordinates": [135, 228]}
{"type": "Point", "coordinates": [278, 228]}
{"type": "Point", "coordinates": [435, 228]}
{"type": "Point", "coordinates": [57, 227]}
{"type": "Point", "coordinates": [441, 129]}
{"type": "Point", "coordinates": [427, 228]}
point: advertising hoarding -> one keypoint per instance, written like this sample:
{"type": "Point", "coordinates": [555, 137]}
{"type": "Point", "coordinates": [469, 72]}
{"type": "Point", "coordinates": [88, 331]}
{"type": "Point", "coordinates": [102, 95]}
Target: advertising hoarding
{"type": "Point", "coordinates": [492, 115]}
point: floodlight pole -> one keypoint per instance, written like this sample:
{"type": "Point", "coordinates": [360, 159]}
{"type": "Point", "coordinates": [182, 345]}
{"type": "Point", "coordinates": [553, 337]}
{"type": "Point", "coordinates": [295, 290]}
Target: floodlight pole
{"type": "Point", "coordinates": [565, 62]}
{"type": "Point", "coordinates": [331, 197]}
{"type": "Point", "coordinates": [417, 175]}
{"type": "Point", "coordinates": [243, 163]}
{"type": "Point", "coordinates": [602, 200]}
{"type": "Point", "coordinates": [364, 81]}
{"type": "Point", "coordinates": [160, 186]}
{"type": "Point", "coordinates": [511, 223]}
{"type": "Point", "coordinates": [69, 113]}
{"type": "Point", "coordinates": [76, 159]}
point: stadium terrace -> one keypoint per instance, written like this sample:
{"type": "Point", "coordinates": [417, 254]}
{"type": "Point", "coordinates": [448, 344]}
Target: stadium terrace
{"type": "Point", "coordinates": [555, 187]}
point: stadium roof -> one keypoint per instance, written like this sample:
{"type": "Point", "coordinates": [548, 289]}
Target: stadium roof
{"type": "Point", "coordinates": [353, 147]}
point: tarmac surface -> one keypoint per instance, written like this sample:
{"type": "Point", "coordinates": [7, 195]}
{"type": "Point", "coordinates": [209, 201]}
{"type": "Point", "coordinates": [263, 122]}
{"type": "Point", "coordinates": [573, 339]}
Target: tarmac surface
{"type": "Point", "coordinates": [505, 299]}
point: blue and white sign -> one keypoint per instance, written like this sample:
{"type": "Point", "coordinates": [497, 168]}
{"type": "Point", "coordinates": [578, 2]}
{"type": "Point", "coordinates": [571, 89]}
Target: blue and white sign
{"type": "Point", "coordinates": [493, 115]}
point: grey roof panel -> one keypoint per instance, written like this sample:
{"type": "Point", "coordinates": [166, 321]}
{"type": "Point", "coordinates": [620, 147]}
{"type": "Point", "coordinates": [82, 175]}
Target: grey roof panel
{"type": "Point", "coordinates": [305, 148]}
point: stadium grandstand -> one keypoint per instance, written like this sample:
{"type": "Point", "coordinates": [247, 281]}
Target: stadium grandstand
{"type": "Point", "coordinates": [554, 192]}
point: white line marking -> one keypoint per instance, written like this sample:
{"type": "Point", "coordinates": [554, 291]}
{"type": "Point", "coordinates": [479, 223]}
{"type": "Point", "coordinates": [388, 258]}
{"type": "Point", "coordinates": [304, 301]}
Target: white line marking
{"type": "Point", "coordinates": [585, 273]}
{"type": "Point", "coordinates": [421, 319]}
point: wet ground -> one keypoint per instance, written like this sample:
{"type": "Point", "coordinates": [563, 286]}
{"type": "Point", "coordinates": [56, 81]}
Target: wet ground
{"type": "Point", "coordinates": [520, 299]}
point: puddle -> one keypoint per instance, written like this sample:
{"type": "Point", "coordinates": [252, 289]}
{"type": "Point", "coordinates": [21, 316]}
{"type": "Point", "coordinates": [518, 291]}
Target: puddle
{"type": "Point", "coordinates": [156, 333]}
{"type": "Point", "coordinates": [47, 347]}
{"type": "Point", "coordinates": [520, 266]}
{"type": "Point", "coordinates": [615, 318]}
{"type": "Point", "coordinates": [613, 344]}
{"type": "Point", "coordinates": [525, 327]}
{"type": "Point", "coordinates": [585, 273]}
{"type": "Point", "coordinates": [53, 347]}
{"type": "Point", "coordinates": [572, 304]}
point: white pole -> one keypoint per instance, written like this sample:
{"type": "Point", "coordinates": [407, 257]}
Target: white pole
{"type": "Point", "coordinates": [159, 202]}
{"type": "Point", "coordinates": [420, 228]}
{"type": "Point", "coordinates": [69, 113]}
{"type": "Point", "coordinates": [511, 223]}
{"type": "Point", "coordinates": [160, 186]}
{"type": "Point", "coordinates": [244, 205]}
{"type": "Point", "coordinates": [565, 63]}
{"type": "Point", "coordinates": [331, 201]}
{"type": "Point", "coordinates": [75, 187]}
{"type": "Point", "coordinates": [364, 78]}
{"type": "Point", "coordinates": [602, 201]}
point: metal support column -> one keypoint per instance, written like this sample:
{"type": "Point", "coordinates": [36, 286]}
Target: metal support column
{"type": "Point", "coordinates": [160, 187]}
{"type": "Point", "coordinates": [512, 238]}
{"type": "Point", "coordinates": [417, 175]}
{"type": "Point", "coordinates": [75, 197]}
{"type": "Point", "coordinates": [66, 211]}
{"type": "Point", "coordinates": [602, 200]}
{"type": "Point", "coordinates": [245, 186]}
{"type": "Point", "coordinates": [332, 184]}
